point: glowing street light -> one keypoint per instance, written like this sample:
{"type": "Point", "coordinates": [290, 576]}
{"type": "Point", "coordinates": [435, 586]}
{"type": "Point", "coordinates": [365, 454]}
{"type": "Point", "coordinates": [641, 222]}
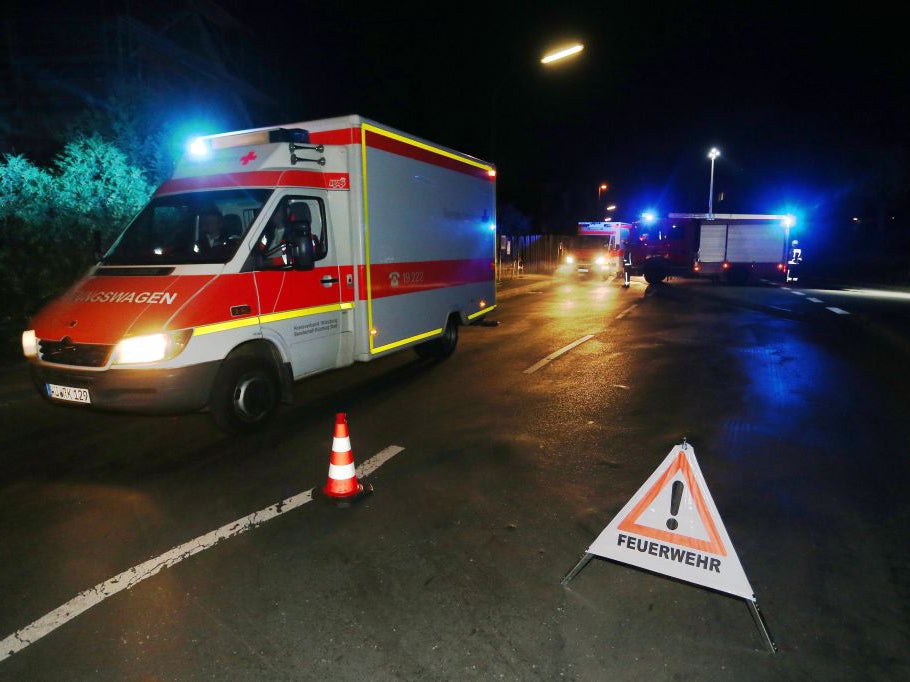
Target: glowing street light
{"type": "Point", "coordinates": [562, 53]}
{"type": "Point", "coordinates": [713, 154]}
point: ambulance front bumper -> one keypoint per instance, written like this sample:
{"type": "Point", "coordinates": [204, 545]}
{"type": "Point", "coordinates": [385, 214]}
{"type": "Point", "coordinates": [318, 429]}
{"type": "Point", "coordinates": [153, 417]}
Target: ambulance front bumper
{"type": "Point", "coordinates": [150, 391]}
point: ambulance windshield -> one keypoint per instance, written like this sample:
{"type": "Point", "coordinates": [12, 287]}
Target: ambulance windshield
{"type": "Point", "coordinates": [194, 227]}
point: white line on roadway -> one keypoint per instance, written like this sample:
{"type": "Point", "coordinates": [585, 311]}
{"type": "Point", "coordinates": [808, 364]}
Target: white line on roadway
{"type": "Point", "coordinates": [798, 293]}
{"type": "Point", "coordinates": [135, 575]}
{"type": "Point", "coordinates": [552, 356]}
{"type": "Point", "coordinates": [626, 311]}
{"type": "Point", "coordinates": [839, 311]}
{"type": "Point", "coordinates": [813, 299]}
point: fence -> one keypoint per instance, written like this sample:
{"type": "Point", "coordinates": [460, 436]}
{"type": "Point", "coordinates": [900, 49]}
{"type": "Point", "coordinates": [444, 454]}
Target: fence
{"type": "Point", "coordinates": [535, 253]}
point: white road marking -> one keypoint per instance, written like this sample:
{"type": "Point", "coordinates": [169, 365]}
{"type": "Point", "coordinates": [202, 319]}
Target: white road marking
{"type": "Point", "coordinates": [798, 293]}
{"type": "Point", "coordinates": [552, 356]}
{"type": "Point", "coordinates": [839, 311]}
{"type": "Point", "coordinates": [626, 311]}
{"type": "Point", "coordinates": [135, 575]}
{"type": "Point", "coordinates": [622, 386]}
{"type": "Point", "coordinates": [813, 299]}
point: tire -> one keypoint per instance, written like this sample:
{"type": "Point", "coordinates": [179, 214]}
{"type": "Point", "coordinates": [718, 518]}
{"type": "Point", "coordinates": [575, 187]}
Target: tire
{"type": "Point", "coordinates": [442, 347]}
{"type": "Point", "coordinates": [655, 275]}
{"type": "Point", "coordinates": [245, 395]}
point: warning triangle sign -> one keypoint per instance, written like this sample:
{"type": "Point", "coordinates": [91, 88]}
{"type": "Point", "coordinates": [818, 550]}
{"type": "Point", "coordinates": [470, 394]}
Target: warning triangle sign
{"type": "Point", "coordinates": [671, 526]}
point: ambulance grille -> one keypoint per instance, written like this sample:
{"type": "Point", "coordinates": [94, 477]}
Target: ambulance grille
{"type": "Point", "coordinates": [64, 352]}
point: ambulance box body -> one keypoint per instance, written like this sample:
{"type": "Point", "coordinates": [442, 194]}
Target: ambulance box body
{"type": "Point", "coordinates": [271, 255]}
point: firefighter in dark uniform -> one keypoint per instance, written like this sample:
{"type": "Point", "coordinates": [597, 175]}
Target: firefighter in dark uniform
{"type": "Point", "coordinates": [793, 263]}
{"type": "Point", "coordinates": [626, 263]}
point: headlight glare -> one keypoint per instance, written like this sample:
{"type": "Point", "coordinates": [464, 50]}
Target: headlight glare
{"type": "Point", "coordinates": [29, 343]}
{"type": "Point", "coordinates": [139, 350]}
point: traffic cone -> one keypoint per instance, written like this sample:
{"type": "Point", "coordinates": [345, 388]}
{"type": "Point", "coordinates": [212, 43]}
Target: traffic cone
{"type": "Point", "coordinates": [342, 486]}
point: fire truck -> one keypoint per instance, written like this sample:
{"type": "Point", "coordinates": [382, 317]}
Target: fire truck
{"type": "Point", "coordinates": [271, 255]}
{"type": "Point", "coordinates": [595, 250]}
{"type": "Point", "coordinates": [732, 247]}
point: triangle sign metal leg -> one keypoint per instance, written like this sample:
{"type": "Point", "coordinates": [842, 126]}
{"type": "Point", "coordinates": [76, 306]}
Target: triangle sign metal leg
{"type": "Point", "coordinates": [762, 625]}
{"type": "Point", "coordinates": [586, 557]}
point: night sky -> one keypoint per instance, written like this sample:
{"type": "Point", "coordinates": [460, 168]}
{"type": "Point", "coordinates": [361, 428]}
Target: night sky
{"type": "Point", "coordinates": [808, 103]}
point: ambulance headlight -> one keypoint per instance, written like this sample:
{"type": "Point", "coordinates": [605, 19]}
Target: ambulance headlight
{"type": "Point", "coordinates": [29, 343]}
{"type": "Point", "coordinates": [601, 260]}
{"type": "Point", "coordinates": [138, 350]}
{"type": "Point", "coordinates": [570, 259]}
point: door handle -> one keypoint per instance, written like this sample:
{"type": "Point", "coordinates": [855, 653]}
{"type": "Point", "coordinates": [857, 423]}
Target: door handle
{"type": "Point", "coordinates": [328, 280]}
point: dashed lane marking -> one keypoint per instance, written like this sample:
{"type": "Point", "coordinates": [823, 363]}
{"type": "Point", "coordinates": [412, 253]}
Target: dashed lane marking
{"type": "Point", "coordinates": [798, 293]}
{"type": "Point", "coordinates": [626, 311]}
{"type": "Point", "coordinates": [839, 311]}
{"type": "Point", "coordinates": [133, 576]}
{"type": "Point", "coordinates": [813, 299]}
{"type": "Point", "coordinates": [552, 356]}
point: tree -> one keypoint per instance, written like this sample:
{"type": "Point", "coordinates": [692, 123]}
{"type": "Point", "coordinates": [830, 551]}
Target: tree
{"type": "Point", "coordinates": [47, 217]}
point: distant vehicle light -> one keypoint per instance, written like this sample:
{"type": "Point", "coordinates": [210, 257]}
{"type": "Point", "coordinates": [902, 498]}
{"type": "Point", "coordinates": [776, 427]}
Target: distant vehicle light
{"type": "Point", "coordinates": [570, 259]}
{"type": "Point", "coordinates": [781, 267]}
{"type": "Point", "coordinates": [725, 266]}
{"type": "Point", "coordinates": [491, 173]}
{"type": "Point", "coordinates": [601, 260]}
{"type": "Point", "coordinates": [199, 147]}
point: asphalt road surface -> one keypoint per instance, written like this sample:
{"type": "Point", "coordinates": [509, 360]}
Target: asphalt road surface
{"type": "Point", "coordinates": [510, 458]}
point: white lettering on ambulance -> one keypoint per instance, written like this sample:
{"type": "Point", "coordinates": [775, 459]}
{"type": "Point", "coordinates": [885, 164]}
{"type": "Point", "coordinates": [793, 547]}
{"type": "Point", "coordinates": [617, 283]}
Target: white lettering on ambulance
{"type": "Point", "coordinates": [161, 297]}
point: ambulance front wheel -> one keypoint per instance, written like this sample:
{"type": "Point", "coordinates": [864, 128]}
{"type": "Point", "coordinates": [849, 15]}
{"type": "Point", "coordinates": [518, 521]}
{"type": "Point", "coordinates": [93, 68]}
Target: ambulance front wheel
{"type": "Point", "coordinates": [245, 395]}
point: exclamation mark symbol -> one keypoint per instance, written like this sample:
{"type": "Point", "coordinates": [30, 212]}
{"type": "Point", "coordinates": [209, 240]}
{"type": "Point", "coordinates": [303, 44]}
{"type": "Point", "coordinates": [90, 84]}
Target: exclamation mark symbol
{"type": "Point", "coordinates": [675, 499]}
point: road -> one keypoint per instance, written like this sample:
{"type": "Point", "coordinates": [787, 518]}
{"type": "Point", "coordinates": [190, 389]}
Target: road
{"type": "Point", "coordinates": [514, 454]}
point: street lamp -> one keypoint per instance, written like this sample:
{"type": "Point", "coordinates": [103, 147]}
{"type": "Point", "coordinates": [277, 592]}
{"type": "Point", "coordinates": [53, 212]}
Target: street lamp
{"type": "Point", "coordinates": [562, 53]}
{"type": "Point", "coordinates": [713, 154]}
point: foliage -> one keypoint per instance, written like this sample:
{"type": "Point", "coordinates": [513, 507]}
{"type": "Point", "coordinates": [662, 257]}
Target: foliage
{"type": "Point", "coordinates": [48, 216]}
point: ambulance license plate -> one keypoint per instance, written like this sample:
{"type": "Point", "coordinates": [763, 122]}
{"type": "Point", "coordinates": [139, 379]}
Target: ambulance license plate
{"type": "Point", "coordinates": [68, 393]}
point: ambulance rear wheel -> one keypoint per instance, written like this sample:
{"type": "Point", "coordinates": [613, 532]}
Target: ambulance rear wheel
{"type": "Point", "coordinates": [444, 346]}
{"type": "Point", "coordinates": [245, 395]}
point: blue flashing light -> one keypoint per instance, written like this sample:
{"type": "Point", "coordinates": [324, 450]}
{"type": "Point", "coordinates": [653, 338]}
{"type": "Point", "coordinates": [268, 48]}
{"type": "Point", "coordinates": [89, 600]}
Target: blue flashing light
{"type": "Point", "coordinates": [789, 220]}
{"type": "Point", "coordinates": [649, 217]}
{"type": "Point", "coordinates": [492, 227]}
{"type": "Point", "coordinates": [199, 147]}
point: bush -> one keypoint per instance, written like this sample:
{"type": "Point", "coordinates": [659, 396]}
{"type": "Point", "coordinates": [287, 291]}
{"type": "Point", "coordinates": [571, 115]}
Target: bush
{"type": "Point", "coordinates": [47, 220]}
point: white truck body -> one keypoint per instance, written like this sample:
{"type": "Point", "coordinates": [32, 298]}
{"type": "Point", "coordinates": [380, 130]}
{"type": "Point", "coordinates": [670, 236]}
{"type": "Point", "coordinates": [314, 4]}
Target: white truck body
{"type": "Point", "coordinates": [743, 244]}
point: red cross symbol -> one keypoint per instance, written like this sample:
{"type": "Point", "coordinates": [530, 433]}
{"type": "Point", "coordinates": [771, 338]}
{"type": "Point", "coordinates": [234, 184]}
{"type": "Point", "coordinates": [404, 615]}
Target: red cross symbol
{"type": "Point", "coordinates": [249, 157]}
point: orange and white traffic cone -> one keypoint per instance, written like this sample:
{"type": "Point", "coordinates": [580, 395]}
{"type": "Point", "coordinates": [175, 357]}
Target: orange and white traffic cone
{"type": "Point", "coordinates": [342, 486]}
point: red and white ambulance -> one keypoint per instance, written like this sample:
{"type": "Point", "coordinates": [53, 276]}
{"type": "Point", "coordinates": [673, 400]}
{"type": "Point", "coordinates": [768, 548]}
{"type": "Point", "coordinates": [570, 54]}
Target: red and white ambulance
{"type": "Point", "coordinates": [271, 255]}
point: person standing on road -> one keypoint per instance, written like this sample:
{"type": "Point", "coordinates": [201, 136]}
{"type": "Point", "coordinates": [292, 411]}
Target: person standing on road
{"type": "Point", "coordinates": [793, 263]}
{"type": "Point", "coordinates": [626, 263]}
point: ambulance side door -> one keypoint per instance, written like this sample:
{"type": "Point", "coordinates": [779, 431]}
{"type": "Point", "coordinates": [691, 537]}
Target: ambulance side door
{"type": "Point", "coordinates": [300, 309]}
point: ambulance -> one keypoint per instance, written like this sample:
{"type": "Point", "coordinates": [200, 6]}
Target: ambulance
{"type": "Point", "coordinates": [594, 250]}
{"type": "Point", "coordinates": [271, 255]}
